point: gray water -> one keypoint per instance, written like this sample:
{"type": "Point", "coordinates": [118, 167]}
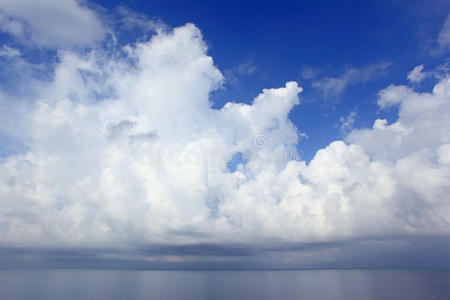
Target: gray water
{"type": "Point", "coordinates": [302, 284]}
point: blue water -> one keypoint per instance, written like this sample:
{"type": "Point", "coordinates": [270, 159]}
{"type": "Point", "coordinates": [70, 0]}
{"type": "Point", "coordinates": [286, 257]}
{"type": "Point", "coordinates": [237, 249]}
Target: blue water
{"type": "Point", "coordinates": [304, 284]}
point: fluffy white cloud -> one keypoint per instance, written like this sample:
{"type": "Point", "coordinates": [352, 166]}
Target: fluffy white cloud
{"type": "Point", "coordinates": [126, 150]}
{"type": "Point", "coordinates": [51, 22]}
{"type": "Point", "coordinates": [416, 75]}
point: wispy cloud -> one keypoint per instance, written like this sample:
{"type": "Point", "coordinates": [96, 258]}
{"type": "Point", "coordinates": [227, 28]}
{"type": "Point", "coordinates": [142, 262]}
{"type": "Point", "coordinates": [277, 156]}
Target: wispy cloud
{"type": "Point", "coordinates": [347, 122]}
{"type": "Point", "coordinates": [246, 68]}
{"type": "Point", "coordinates": [311, 72]}
{"type": "Point", "coordinates": [334, 86]}
{"type": "Point", "coordinates": [442, 44]}
{"type": "Point", "coordinates": [8, 52]}
{"type": "Point", "coordinates": [235, 74]}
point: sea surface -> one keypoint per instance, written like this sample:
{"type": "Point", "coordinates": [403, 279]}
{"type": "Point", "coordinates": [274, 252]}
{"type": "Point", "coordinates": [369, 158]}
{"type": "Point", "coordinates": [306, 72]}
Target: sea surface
{"type": "Point", "coordinates": [261, 285]}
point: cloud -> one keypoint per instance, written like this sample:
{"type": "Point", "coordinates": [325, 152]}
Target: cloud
{"type": "Point", "coordinates": [443, 39]}
{"type": "Point", "coordinates": [134, 26]}
{"type": "Point", "coordinates": [310, 72]}
{"type": "Point", "coordinates": [347, 122]}
{"type": "Point", "coordinates": [235, 74]}
{"type": "Point", "coordinates": [444, 36]}
{"type": "Point", "coordinates": [333, 86]}
{"type": "Point", "coordinates": [423, 252]}
{"type": "Point", "coordinates": [8, 52]}
{"type": "Point", "coordinates": [51, 23]}
{"type": "Point", "coordinates": [247, 68]}
{"type": "Point", "coordinates": [11, 26]}
{"type": "Point", "coordinates": [416, 75]}
{"type": "Point", "coordinates": [123, 150]}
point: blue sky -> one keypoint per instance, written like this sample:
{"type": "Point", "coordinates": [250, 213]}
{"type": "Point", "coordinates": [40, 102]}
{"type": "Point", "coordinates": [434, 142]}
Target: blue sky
{"type": "Point", "coordinates": [224, 134]}
{"type": "Point", "coordinates": [277, 42]}
{"type": "Point", "coordinates": [257, 44]}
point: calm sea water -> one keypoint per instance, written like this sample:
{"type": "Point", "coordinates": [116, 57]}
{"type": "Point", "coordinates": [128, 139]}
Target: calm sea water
{"type": "Point", "coordinates": [304, 284]}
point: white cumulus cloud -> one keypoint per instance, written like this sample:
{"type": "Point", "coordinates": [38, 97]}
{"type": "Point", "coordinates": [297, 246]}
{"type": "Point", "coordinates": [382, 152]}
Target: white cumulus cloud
{"type": "Point", "coordinates": [124, 148]}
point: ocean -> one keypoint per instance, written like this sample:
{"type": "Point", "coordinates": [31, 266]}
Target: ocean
{"type": "Point", "coordinates": [261, 285]}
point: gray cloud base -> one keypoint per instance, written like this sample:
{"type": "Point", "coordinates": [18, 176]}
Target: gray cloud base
{"type": "Point", "coordinates": [396, 252]}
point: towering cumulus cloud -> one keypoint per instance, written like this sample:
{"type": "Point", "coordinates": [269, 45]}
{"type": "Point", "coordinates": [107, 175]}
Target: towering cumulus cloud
{"type": "Point", "coordinates": [122, 147]}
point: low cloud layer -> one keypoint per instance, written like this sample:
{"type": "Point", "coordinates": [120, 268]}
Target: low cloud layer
{"type": "Point", "coordinates": [122, 148]}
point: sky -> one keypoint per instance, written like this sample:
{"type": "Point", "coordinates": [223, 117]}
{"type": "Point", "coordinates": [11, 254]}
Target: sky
{"type": "Point", "coordinates": [224, 135]}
